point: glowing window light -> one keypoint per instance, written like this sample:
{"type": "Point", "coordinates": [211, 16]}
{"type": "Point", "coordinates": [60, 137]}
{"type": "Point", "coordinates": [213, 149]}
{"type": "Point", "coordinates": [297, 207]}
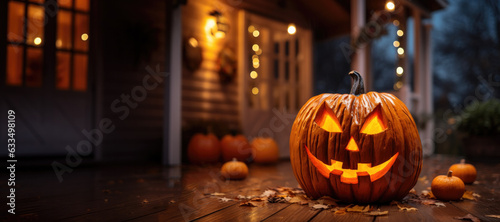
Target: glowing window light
{"type": "Point", "coordinates": [37, 41]}
{"type": "Point", "coordinates": [400, 33]}
{"type": "Point", "coordinates": [399, 71]}
{"type": "Point", "coordinates": [390, 6]}
{"type": "Point", "coordinates": [253, 74]}
{"type": "Point", "coordinates": [255, 90]}
{"type": "Point", "coordinates": [255, 47]}
{"type": "Point", "coordinates": [84, 37]}
{"type": "Point", "coordinates": [291, 29]}
{"type": "Point", "coordinates": [401, 51]}
{"type": "Point", "coordinates": [395, 43]}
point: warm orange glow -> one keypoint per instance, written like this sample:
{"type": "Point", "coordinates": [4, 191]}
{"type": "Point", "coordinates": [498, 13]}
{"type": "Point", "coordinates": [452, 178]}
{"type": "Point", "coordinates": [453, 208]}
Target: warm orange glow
{"type": "Point", "coordinates": [327, 120]}
{"type": "Point", "coordinates": [352, 146]}
{"type": "Point", "coordinates": [256, 33]}
{"type": "Point", "coordinates": [37, 41]}
{"type": "Point", "coordinates": [390, 6]}
{"type": "Point", "coordinates": [350, 176]}
{"type": "Point", "coordinates": [374, 124]}
{"type": "Point", "coordinates": [291, 29]}
{"type": "Point", "coordinates": [84, 37]}
{"type": "Point", "coordinates": [193, 42]}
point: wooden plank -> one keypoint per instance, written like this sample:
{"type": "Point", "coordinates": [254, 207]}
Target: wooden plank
{"type": "Point", "coordinates": [236, 212]}
{"type": "Point", "coordinates": [294, 212]}
{"type": "Point", "coordinates": [424, 213]}
{"type": "Point", "coordinates": [487, 204]}
{"type": "Point", "coordinates": [327, 215]}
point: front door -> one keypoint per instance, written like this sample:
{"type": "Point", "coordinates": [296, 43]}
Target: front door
{"type": "Point", "coordinates": [44, 76]}
{"type": "Point", "coordinates": [275, 77]}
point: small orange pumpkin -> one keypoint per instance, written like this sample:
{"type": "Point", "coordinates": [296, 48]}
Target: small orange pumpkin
{"type": "Point", "coordinates": [234, 170]}
{"type": "Point", "coordinates": [466, 172]}
{"type": "Point", "coordinates": [357, 147]}
{"type": "Point", "coordinates": [448, 187]}
{"type": "Point", "coordinates": [204, 149]}
{"type": "Point", "coordinates": [264, 150]}
{"type": "Point", "coordinates": [235, 147]}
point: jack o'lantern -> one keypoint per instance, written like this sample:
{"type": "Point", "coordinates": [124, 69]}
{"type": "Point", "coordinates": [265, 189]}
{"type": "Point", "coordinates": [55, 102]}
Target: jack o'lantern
{"type": "Point", "coordinates": [356, 147]}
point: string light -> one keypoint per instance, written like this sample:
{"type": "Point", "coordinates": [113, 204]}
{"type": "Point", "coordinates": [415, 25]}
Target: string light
{"type": "Point", "coordinates": [291, 29]}
{"type": "Point", "coordinates": [255, 90]}
{"type": "Point", "coordinates": [399, 71]}
{"type": "Point", "coordinates": [255, 47]}
{"type": "Point", "coordinates": [256, 33]}
{"type": "Point", "coordinates": [400, 33]}
{"type": "Point", "coordinates": [37, 41]}
{"type": "Point", "coordinates": [395, 43]}
{"type": "Point", "coordinates": [395, 22]}
{"type": "Point", "coordinates": [390, 6]}
{"type": "Point", "coordinates": [251, 28]}
{"type": "Point", "coordinates": [401, 51]}
{"type": "Point", "coordinates": [254, 74]}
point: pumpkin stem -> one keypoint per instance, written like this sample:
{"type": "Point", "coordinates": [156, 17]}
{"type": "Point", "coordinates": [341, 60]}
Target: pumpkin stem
{"type": "Point", "coordinates": [449, 173]}
{"type": "Point", "coordinates": [462, 161]}
{"type": "Point", "coordinates": [358, 86]}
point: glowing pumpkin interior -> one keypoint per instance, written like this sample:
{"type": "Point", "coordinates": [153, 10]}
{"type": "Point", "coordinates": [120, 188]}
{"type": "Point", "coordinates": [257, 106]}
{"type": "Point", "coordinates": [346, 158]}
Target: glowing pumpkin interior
{"type": "Point", "coordinates": [373, 124]}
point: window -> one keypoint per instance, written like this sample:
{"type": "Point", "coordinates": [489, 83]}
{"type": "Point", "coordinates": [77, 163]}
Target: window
{"type": "Point", "coordinates": [26, 44]}
{"type": "Point", "coordinates": [72, 45]}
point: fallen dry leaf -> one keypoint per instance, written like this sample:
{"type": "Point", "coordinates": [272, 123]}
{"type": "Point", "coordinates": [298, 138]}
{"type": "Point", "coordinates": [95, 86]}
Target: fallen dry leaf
{"type": "Point", "coordinates": [358, 208]}
{"type": "Point", "coordinates": [225, 199]}
{"type": "Point", "coordinates": [145, 201]}
{"type": "Point", "coordinates": [428, 202]}
{"type": "Point", "coordinates": [468, 217]}
{"type": "Point", "coordinates": [326, 200]}
{"type": "Point", "coordinates": [439, 204]}
{"type": "Point", "coordinates": [268, 193]}
{"type": "Point", "coordinates": [377, 213]}
{"type": "Point", "coordinates": [302, 200]}
{"type": "Point", "coordinates": [468, 195]}
{"type": "Point", "coordinates": [320, 206]}
{"type": "Point", "coordinates": [340, 211]}
{"type": "Point", "coordinates": [217, 194]}
{"type": "Point", "coordinates": [493, 216]}
{"type": "Point", "coordinates": [251, 203]}
{"type": "Point", "coordinates": [276, 199]}
{"type": "Point", "coordinates": [405, 207]}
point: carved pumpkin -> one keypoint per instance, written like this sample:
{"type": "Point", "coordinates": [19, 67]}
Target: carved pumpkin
{"type": "Point", "coordinates": [465, 171]}
{"type": "Point", "coordinates": [204, 149]}
{"type": "Point", "coordinates": [448, 187]}
{"type": "Point", "coordinates": [355, 147]}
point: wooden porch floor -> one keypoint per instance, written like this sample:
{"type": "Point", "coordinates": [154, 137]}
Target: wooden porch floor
{"type": "Point", "coordinates": [156, 193]}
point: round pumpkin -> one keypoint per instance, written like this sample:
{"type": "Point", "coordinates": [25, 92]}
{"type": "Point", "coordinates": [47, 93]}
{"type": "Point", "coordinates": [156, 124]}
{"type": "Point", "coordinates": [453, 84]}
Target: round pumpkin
{"type": "Point", "coordinates": [204, 149]}
{"type": "Point", "coordinates": [264, 150]}
{"type": "Point", "coordinates": [234, 170]}
{"type": "Point", "coordinates": [466, 172]}
{"type": "Point", "coordinates": [448, 187]}
{"type": "Point", "coordinates": [355, 147]}
{"type": "Point", "coordinates": [235, 147]}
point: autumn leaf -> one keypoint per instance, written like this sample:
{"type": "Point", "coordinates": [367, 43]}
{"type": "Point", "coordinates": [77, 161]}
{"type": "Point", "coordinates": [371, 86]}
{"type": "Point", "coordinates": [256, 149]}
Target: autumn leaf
{"type": "Point", "coordinates": [405, 207]}
{"type": "Point", "coordinates": [302, 200]}
{"type": "Point", "coordinates": [217, 194]}
{"type": "Point", "coordinates": [358, 208]}
{"type": "Point", "coordinates": [326, 200]}
{"type": "Point", "coordinates": [439, 204]}
{"type": "Point", "coordinates": [377, 213]}
{"type": "Point", "coordinates": [225, 199]}
{"type": "Point", "coordinates": [468, 217]}
{"type": "Point", "coordinates": [340, 211]}
{"type": "Point", "coordinates": [251, 203]}
{"type": "Point", "coordinates": [320, 206]}
{"type": "Point", "coordinates": [493, 216]}
{"type": "Point", "coordinates": [468, 195]}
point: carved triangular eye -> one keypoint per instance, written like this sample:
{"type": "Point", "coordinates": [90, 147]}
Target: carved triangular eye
{"type": "Point", "coordinates": [326, 119]}
{"type": "Point", "coordinates": [373, 123]}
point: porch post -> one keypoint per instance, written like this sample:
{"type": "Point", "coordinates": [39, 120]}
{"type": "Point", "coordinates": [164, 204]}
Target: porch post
{"type": "Point", "coordinates": [171, 154]}
{"type": "Point", "coordinates": [359, 60]}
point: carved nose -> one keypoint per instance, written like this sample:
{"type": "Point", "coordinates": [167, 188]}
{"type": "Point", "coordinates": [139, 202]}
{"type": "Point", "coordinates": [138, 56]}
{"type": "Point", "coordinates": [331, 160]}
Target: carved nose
{"type": "Point", "coordinates": [352, 146]}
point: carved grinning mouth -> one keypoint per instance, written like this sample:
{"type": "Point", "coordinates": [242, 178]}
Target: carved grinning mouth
{"type": "Point", "coordinates": [350, 176]}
